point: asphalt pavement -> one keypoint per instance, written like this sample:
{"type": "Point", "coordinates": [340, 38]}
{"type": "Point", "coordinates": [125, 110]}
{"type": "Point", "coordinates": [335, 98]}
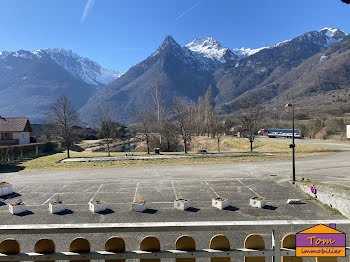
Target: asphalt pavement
{"type": "Point", "coordinates": [161, 185]}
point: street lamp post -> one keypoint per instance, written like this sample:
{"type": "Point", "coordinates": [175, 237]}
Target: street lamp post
{"type": "Point", "coordinates": [219, 144]}
{"type": "Point", "coordinates": [290, 109]}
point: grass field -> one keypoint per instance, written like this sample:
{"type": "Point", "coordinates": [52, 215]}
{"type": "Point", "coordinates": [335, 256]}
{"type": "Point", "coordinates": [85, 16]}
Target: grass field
{"type": "Point", "coordinates": [263, 151]}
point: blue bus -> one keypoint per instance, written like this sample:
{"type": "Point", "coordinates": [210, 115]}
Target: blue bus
{"type": "Point", "coordinates": [288, 133]}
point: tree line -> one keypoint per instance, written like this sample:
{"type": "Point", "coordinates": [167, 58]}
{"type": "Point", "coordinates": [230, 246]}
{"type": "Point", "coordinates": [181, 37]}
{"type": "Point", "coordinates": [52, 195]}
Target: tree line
{"type": "Point", "coordinates": [170, 126]}
{"type": "Point", "coordinates": [167, 126]}
{"type": "Point", "coordinates": [63, 120]}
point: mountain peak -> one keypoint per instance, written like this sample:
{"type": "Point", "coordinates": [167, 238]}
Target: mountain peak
{"type": "Point", "coordinates": [168, 42]}
{"type": "Point", "coordinates": [333, 33]}
{"type": "Point", "coordinates": [169, 38]}
{"type": "Point", "coordinates": [211, 49]}
{"type": "Point", "coordinates": [82, 67]}
{"type": "Point", "coordinates": [203, 42]}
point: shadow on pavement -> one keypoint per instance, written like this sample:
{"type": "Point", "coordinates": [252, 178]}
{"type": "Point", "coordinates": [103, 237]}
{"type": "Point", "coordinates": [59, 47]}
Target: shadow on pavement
{"type": "Point", "coordinates": [106, 212]}
{"type": "Point", "coordinates": [27, 213]}
{"type": "Point", "coordinates": [193, 209]}
{"type": "Point", "coordinates": [270, 207]}
{"type": "Point", "coordinates": [231, 208]}
{"type": "Point", "coordinates": [13, 195]}
{"type": "Point", "coordinates": [65, 212]}
{"type": "Point", "coordinates": [150, 211]}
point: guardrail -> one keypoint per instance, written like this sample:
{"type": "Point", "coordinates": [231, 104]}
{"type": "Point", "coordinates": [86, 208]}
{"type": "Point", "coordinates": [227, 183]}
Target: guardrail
{"type": "Point", "coordinates": [219, 250]}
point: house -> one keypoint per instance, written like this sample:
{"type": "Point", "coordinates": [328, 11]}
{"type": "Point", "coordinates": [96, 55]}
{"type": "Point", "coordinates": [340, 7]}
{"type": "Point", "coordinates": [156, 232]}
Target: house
{"type": "Point", "coordinates": [14, 131]}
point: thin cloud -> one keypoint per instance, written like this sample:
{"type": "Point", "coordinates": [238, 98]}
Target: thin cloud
{"type": "Point", "coordinates": [89, 5]}
{"type": "Point", "coordinates": [177, 18]}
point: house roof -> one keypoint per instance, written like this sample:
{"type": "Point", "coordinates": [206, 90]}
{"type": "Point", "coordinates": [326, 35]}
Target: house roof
{"type": "Point", "coordinates": [320, 229]}
{"type": "Point", "coordinates": [14, 124]}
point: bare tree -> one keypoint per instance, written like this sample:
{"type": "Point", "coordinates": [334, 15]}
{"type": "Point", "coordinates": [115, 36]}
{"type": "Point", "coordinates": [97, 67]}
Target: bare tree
{"type": "Point", "coordinates": [63, 117]}
{"type": "Point", "coordinates": [210, 114]}
{"type": "Point", "coordinates": [146, 120]}
{"type": "Point", "coordinates": [159, 110]}
{"type": "Point", "coordinates": [132, 130]}
{"type": "Point", "coordinates": [183, 120]}
{"type": "Point", "coordinates": [170, 141]}
{"type": "Point", "coordinates": [250, 118]}
{"type": "Point", "coordinates": [200, 117]}
{"type": "Point", "coordinates": [108, 129]}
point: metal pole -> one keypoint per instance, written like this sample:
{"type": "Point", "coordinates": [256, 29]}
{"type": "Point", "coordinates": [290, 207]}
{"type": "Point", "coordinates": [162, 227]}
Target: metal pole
{"type": "Point", "coordinates": [293, 145]}
{"type": "Point", "coordinates": [218, 143]}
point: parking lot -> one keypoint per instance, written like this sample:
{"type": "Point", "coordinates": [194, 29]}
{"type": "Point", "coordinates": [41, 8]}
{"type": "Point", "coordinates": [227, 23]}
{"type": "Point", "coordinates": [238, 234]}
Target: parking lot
{"type": "Point", "coordinates": [160, 195]}
{"type": "Point", "coordinates": [160, 186]}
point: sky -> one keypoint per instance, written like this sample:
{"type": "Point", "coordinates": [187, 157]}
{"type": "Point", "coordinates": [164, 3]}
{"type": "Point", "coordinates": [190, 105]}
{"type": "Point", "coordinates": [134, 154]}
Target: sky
{"type": "Point", "coordinates": [120, 33]}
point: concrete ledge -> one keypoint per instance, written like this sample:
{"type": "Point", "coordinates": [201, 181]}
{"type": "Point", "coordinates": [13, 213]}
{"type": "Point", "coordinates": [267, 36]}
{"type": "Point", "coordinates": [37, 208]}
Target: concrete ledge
{"type": "Point", "coordinates": [152, 156]}
{"type": "Point", "coordinates": [334, 196]}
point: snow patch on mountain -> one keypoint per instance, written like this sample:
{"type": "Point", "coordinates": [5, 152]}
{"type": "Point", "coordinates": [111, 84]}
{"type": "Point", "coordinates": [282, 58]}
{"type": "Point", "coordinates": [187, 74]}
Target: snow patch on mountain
{"type": "Point", "coordinates": [246, 51]}
{"type": "Point", "coordinates": [210, 48]}
{"type": "Point", "coordinates": [24, 54]}
{"type": "Point", "coordinates": [4, 54]}
{"type": "Point", "coordinates": [323, 57]}
{"type": "Point", "coordinates": [84, 68]}
{"type": "Point", "coordinates": [210, 52]}
{"type": "Point", "coordinates": [332, 32]}
{"type": "Point", "coordinates": [78, 66]}
{"type": "Point", "coordinates": [281, 43]}
{"type": "Point", "coordinates": [325, 37]}
{"type": "Point", "coordinates": [333, 35]}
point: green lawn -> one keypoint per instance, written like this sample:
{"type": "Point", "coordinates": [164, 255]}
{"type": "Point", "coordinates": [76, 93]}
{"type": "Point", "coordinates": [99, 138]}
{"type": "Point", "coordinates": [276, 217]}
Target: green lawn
{"type": "Point", "coordinates": [263, 151]}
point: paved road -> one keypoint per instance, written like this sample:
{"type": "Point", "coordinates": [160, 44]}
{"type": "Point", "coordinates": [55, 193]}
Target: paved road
{"type": "Point", "coordinates": [332, 168]}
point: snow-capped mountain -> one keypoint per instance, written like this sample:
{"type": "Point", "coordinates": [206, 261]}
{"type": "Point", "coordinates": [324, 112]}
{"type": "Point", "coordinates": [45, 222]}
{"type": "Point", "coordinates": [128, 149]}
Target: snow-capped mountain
{"type": "Point", "coordinates": [205, 53]}
{"type": "Point", "coordinates": [81, 67]}
{"type": "Point", "coordinates": [88, 70]}
{"type": "Point", "coordinates": [210, 52]}
{"type": "Point", "coordinates": [325, 38]}
{"type": "Point", "coordinates": [178, 70]}
{"type": "Point", "coordinates": [31, 80]}
{"type": "Point", "coordinates": [269, 64]}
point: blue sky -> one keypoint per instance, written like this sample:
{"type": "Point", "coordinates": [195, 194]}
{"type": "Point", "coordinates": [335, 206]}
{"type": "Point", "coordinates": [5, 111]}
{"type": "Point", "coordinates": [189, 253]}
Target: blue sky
{"type": "Point", "coordinates": [121, 33]}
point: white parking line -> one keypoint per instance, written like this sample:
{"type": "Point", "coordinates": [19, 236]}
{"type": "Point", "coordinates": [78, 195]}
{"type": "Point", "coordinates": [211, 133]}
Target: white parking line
{"type": "Point", "coordinates": [127, 203]}
{"type": "Point", "coordinates": [137, 188]}
{"type": "Point", "coordinates": [217, 195]}
{"type": "Point", "coordinates": [247, 187]}
{"type": "Point", "coordinates": [53, 195]}
{"type": "Point", "coordinates": [98, 190]}
{"type": "Point", "coordinates": [172, 185]}
{"type": "Point", "coordinates": [23, 189]}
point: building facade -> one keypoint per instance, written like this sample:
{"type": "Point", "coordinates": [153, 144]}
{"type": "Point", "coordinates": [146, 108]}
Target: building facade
{"type": "Point", "coordinates": [14, 131]}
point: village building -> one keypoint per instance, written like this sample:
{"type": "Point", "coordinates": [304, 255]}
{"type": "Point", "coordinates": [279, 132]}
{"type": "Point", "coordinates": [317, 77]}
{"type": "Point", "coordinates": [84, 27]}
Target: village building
{"type": "Point", "coordinates": [14, 131]}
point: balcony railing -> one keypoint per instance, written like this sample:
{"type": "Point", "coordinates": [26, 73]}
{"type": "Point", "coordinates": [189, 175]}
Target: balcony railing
{"type": "Point", "coordinates": [282, 233]}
